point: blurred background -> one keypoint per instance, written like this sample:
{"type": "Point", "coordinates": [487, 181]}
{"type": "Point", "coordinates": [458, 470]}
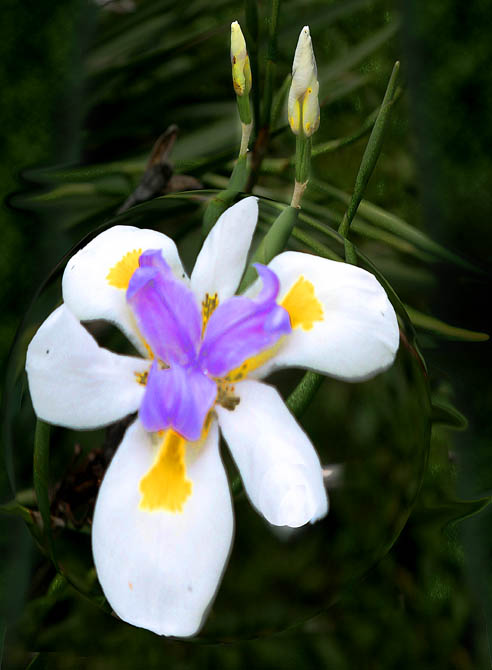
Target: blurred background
{"type": "Point", "coordinates": [400, 573]}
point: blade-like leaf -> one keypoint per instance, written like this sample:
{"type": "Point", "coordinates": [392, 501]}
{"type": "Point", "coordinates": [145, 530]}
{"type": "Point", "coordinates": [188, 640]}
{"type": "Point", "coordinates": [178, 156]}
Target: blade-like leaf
{"type": "Point", "coordinates": [433, 325]}
{"type": "Point", "coordinates": [445, 414]}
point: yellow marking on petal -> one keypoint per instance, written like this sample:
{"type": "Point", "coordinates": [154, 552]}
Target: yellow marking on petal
{"type": "Point", "coordinates": [120, 274]}
{"type": "Point", "coordinates": [209, 305]}
{"type": "Point", "coordinates": [303, 306]}
{"type": "Point", "coordinates": [295, 117]}
{"type": "Point", "coordinates": [252, 363]}
{"type": "Point", "coordinates": [165, 486]}
{"type": "Point", "coordinates": [130, 586]}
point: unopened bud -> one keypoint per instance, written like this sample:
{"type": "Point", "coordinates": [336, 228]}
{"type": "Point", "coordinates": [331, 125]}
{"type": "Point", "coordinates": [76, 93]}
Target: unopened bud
{"type": "Point", "coordinates": [241, 70]}
{"type": "Point", "coordinates": [303, 105]}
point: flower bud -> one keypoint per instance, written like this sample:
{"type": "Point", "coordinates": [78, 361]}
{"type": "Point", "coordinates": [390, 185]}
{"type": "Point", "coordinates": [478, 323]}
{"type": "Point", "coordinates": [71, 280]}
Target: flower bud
{"type": "Point", "coordinates": [241, 71]}
{"type": "Point", "coordinates": [303, 105]}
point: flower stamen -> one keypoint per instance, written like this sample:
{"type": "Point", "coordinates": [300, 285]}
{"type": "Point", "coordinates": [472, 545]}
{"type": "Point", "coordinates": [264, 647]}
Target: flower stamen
{"type": "Point", "coordinates": [226, 397]}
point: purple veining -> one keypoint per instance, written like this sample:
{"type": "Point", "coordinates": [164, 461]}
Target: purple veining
{"type": "Point", "coordinates": [167, 313]}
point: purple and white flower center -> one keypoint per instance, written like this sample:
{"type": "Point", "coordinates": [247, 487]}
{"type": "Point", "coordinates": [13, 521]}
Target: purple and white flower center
{"type": "Point", "coordinates": [190, 360]}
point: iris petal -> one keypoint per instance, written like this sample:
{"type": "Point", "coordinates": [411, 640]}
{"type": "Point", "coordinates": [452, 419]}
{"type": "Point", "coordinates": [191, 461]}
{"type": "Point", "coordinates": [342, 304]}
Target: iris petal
{"type": "Point", "coordinates": [243, 327]}
{"type": "Point", "coordinates": [166, 310]}
{"type": "Point", "coordinates": [179, 398]}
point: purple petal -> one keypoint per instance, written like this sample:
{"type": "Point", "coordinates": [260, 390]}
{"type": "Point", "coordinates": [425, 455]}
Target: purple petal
{"type": "Point", "coordinates": [166, 310]}
{"type": "Point", "coordinates": [243, 327]}
{"type": "Point", "coordinates": [178, 398]}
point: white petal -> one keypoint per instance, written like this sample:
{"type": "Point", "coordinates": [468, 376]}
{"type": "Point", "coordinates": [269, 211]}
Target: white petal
{"type": "Point", "coordinates": [74, 382]}
{"type": "Point", "coordinates": [279, 467]}
{"type": "Point", "coordinates": [86, 289]}
{"type": "Point", "coordinates": [160, 570]}
{"type": "Point", "coordinates": [221, 261]}
{"type": "Point", "coordinates": [357, 336]}
{"type": "Point", "coordinates": [304, 66]}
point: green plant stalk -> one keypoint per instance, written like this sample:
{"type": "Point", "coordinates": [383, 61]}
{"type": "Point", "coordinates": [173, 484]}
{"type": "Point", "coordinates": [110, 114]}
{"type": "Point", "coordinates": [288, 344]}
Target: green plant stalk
{"type": "Point", "coordinates": [303, 158]}
{"type": "Point", "coordinates": [244, 108]}
{"type": "Point", "coordinates": [300, 398]}
{"type": "Point", "coordinates": [371, 153]}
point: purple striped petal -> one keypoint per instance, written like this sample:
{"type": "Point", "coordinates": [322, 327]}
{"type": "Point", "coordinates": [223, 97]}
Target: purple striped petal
{"type": "Point", "coordinates": [243, 327]}
{"type": "Point", "coordinates": [178, 398]}
{"type": "Point", "coordinates": [166, 310]}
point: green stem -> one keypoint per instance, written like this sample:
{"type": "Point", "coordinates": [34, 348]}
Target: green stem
{"type": "Point", "coordinates": [304, 392]}
{"type": "Point", "coordinates": [303, 158]}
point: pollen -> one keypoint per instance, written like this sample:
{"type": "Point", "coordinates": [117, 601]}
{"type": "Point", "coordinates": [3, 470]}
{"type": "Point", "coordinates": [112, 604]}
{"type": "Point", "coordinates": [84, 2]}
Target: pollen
{"type": "Point", "coordinates": [165, 487]}
{"type": "Point", "coordinates": [303, 306]}
{"type": "Point", "coordinates": [120, 274]}
{"type": "Point", "coordinates": [226, 397]}
{"type": "Point", "coordinates": [141, 377]}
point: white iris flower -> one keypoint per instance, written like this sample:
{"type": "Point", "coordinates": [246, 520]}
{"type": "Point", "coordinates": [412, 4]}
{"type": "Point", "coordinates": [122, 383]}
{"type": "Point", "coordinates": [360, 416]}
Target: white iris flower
{"type": "Point", "coordinates": [163, 521]}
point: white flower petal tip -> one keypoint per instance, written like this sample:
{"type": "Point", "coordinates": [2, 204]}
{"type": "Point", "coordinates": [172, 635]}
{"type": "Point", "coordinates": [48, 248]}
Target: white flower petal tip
{"type": "Point", "coordinates": [222, 259]}
{"type": "Point", "coordinates": [88, 291]}
{"type": "Point", "coordinates": [75, 383]}
{"type": "Point", "coordinates": [289, 495]}
{"type": "Point", "coordinates": [160, 570]}
{"type": "Point", "coordinates": [343, 323]}
{"type": "Point", "coordinates": [279, 467]}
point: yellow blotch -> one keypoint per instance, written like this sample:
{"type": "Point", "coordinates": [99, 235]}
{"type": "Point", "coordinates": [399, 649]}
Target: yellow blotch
{"type": "Point", "coordinates": [252, 363]}
{"type": "Point", "coordinates": [165, 486]}
{"type": "Point", "coordinates": [303, 306]}
{"type": "Point", "coordinates": [120, 274]}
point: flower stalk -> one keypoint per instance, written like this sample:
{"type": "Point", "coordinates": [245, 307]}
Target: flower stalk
{"type": "Point", "coordinates": [242, 82]}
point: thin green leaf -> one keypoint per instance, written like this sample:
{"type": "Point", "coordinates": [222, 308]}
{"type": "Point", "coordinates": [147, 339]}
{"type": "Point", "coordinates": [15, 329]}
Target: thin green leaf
{"type": "Point", "coordinates": [393, 224]}
{"type": "Point", "coordinates": [447, 415]}
{"type": "Point", "coordinates": [357, 54]}
{"type": "Point", "coordinates": [371, 153]}
{"type": "Point", "coordinates": [39, 662]}
{"type": "Point", "coordinates": [16, 509]}
{"type": "Point", "coordinates": [271, 64]}
{"type": "Point", "coordinates": [433, 325]}
{"type": "Point", "coordinates": [453, 511]}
